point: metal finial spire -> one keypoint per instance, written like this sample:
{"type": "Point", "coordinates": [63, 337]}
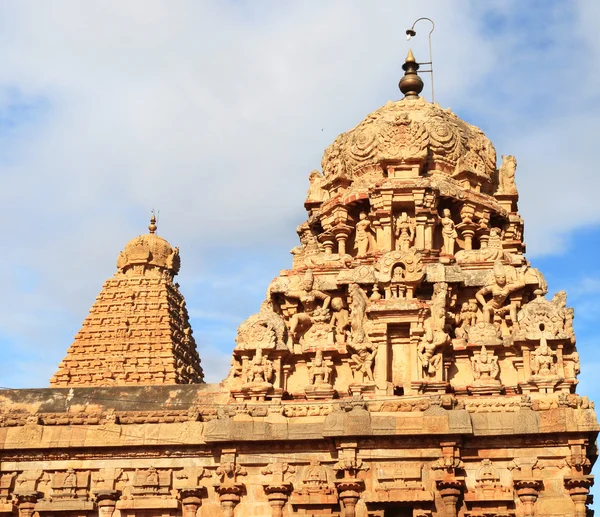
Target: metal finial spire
{"type": "Point", "coordinates": [410, 84]}
{"type": "Point", "coordinates": [152, 226]}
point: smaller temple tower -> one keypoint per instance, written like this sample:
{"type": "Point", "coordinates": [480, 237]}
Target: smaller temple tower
{"type": "Point", "coordinates": [138, 330]}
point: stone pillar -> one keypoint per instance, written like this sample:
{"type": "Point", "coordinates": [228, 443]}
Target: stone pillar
{"type": "Point", "coordinates": [579, 489]}
{"type": "Point", "coordinates": [342, 232]}
{"type": "Point", "coordinates": [421, 223]}
{"type": "Point", "coordinates": [528, 491]}
{"type": "Point", "coordinates": [26, 502]}
{"type": "Point", "coordinates": [277, 496]}
{"type": "Point", "coordinates": [450, 490]}
{"type": "Point", "coordinates": [349, 493]}
{"type": "Point", "coordinates": [106, 501]}
{"type": "Point", "coordinates": [191, 500]}
{"type": "Point", "coordinates": [229, 497]}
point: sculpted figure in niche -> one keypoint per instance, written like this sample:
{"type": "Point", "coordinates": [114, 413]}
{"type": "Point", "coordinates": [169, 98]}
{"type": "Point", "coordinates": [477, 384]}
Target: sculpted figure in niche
{"type": "Point", "coordinates": [485, 366]}
{"type": "Point", "coordinates": [340, 321]}
{"type": "Point", "coordinates": [448, 232]}
{"type": "Point", "coordinates": [363, 240]}
{"type": "Point", "coordinates": [358, 307]}
{"type": "Point", "coordinates": [260, 370]}
{"type": "Point", "coordinates": [404, 232]}
{"type": "Point", "coordinates": [319, 373]}
{"type": "Point", "coordinates": [434, 339]}
{"type": "Point", "coordinates": [506, 175]}
{"type": "Point", "coordinates": [309, 299]}
{"type": "Point", "coordinates": [363, 356]}
{"type": "Point", "coordinates": [500, 289]}
{"type": "Point", "coordinates": [465, 319]}
{"type": "Point", "coordinates": [542, 360]}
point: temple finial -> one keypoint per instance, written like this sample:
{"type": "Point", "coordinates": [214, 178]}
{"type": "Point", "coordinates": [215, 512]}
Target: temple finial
{"type": "Point", "coordinates": [152, 226]}
{"type": "Point", "coordinates": [410, 84]}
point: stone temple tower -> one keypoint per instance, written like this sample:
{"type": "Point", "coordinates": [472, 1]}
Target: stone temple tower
{"type": "Point", "coordinates": [137, 331]}
{"type": "Point", "coordinates": [408, 364]}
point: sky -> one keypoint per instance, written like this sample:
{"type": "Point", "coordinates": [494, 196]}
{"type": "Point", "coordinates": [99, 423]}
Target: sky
{"type": "Point", "coordinates": [214, 113]}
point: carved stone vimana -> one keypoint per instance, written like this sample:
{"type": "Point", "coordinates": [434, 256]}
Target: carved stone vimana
{"type": "Point", "coordinates": [408, 364]}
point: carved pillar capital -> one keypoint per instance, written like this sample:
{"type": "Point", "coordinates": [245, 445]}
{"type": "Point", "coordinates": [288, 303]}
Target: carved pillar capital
{"type": "Point", "coordinates": [349, 492]}
{"type": "Point", "coordinates": [26, 501]}
{"type": "Point", "coordinates": [191, 500]}
{"type": "Point", "coordinates": [450, 490]}
{"type": "Point", "coordinates": [579, 489]}
{"type": "Point", "coordinates": [229, 497]}
{"type": "Point", "coordinates": [106, 501]}
{"type": "Point", "coordinates": [528, 491]}
{"type": "Point", "coordinates": [277, 494]}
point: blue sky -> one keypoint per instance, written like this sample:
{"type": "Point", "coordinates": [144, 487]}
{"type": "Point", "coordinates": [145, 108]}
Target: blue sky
{"type": "Point", "coordinates": [214, 113]}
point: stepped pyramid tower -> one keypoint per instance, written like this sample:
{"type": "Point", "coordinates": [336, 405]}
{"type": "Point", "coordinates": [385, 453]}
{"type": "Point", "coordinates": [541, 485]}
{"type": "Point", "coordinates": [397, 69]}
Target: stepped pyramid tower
{"type": "Point", "coordinates": [138, 329]}
{"type": "Point", "coordinates": [408, 364]}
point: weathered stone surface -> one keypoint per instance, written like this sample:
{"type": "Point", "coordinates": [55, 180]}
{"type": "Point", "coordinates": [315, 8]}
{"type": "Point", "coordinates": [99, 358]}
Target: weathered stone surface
{"type": "Point", "coordinates": [407, 365]}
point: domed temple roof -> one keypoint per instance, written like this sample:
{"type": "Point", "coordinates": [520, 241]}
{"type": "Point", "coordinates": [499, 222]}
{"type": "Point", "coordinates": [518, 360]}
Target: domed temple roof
{"type": "Point", "coordinates": [411, 131]}
{"type": "Point", "coordinates": [138, 329]}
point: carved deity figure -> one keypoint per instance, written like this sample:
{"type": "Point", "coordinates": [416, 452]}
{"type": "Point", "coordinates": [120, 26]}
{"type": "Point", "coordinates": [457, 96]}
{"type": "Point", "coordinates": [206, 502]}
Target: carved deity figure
{"type": "Point", "coordinates": [340, 321]}
{"type": "Point", "coordinates": [363, 356]}
{"type": "Point", "coordinates": [404, 231]}
{"type": "Point", "coordinates": [309, 248]}
{"type": "Point", "coordinates": [319, 373]}
{"type": "Point", "coordinates": [569, 315]}
{"type": "Point", "coordinates": [485, 367]}
{"type": "Point", "coordinates": [500, 289]}
{"type": "Point", "coordinates": [465, 319]}
{"type": "Point", "coordinates": [315, 191]}
{"type": "Point", "coordinates": [260, 370]}
{"type": "Point", "coordinates": [506, 175]}
{"type": "Point", "coordinates": [542, 360]}
{"type": "Point", "coordinates": [363, 240]}
{"type": "Point", "coordinates": [358, 307]}
{"type": "Point", "coordinates": [312, 311]}
{"type": "Point", "coordinates": [434, 339]}
{"type": "Point", "coordinates": [448, 232]}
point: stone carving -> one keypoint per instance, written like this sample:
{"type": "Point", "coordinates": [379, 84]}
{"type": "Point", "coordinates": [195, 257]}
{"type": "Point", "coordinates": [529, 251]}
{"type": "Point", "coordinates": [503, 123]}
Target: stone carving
{"type": "Point", "coordinates": [404, 269]}
{"type": "Point", "coordinates": [340, 321]}
{"type": "Point", "coordinates": [548, 318]}
{"type": "Point", "coordinates": [448, 232]}
{"type": "Point", "coordinates": [151, 482]}
{"type": "Point", "coordinates": [363, 358]}
{"type": "Point", "coordinates": [312, 310]}
{"type": "Point", "coordinates": [543, 360]}
{"type": "Point", "coordinates": [260, 371]}
{"type": "Point", "coordinates": [464, 319]}
{"type": "Point", "coordinates": [506, 176]}
{"type": "Point", "coordinates": [265, 330]}
{"type": "Point", "coordinates": [500, 289]}
{"type": "Point", "coordinates": [404, 231]}
{"type": "Point", "coordinates": [485, 368]}
{"type": "Point", "coordinates": [435, 337]}
{"type": "Point", "coordinates": [314, 479]}
{"type": "Point", "coordinates": [315, 191]}
{"type": "Point", "coordinates": [319, 372]}
{"type": "Point", "coordinates": [482, 333]}
{"type": "Point", "coordinates": [363, 241]}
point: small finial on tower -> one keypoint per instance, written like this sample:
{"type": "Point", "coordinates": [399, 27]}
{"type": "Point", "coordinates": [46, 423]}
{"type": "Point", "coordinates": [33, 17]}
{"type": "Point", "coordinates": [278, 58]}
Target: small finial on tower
{"type": "Point", "coordinates": [410, 84]}
{"type": "Point", "coordinates": [152, 226]}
